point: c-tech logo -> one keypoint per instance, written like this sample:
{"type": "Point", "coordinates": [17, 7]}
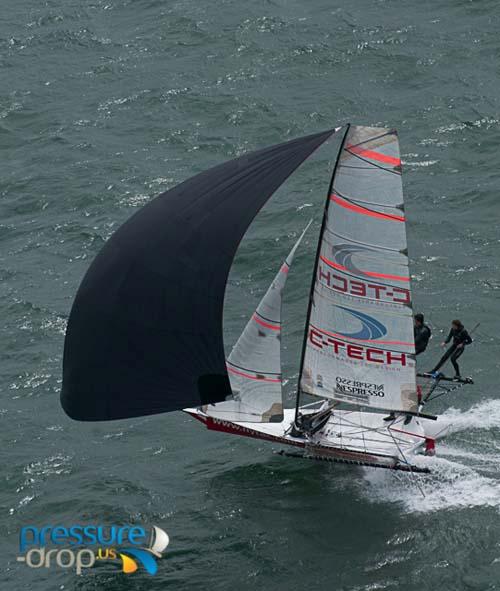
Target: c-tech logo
{"type": "Point", "coordinates": [372, 329]}
{"type": "Point", "coordinates": [80, 547]}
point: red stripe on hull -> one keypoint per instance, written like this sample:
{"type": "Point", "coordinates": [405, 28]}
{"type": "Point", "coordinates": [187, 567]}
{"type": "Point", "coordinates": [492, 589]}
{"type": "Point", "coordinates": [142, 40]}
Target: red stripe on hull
{"type": "Point", "coordinates": [313, 451]}
{"type": "Point", "coordinates": [223, 426]}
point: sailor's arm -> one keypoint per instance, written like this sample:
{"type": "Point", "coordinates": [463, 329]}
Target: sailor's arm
{"type": "Point", "coordinates": [448, 339]}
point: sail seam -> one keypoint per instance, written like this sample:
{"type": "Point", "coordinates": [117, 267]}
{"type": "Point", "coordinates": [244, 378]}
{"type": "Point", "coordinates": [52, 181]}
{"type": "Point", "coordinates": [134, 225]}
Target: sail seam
{"type": "Point", "coordinates": [374, 246]}
{"type": "Point", "coordinates": [349, 204]}
{"type": "Point", "coordinates": [374, 155]}
{"type": "Point", "coordinates": [372, 253]}
{"type": "Point", "coordinates": [258, 318]}
{"type": "Point", "coordinates": [373, 163]}
{"type": "Point", "coordinates": [356, 200]}
{"type": "Point", "coordinates": [368, 273]}
{"type": "Point", "coordinates": [256, 377]}
{"type": "Point", "coordinates": [345, 271]}
{"type": "Point", "coordinates": [268, 373]}
{"type": "Point", "coordinates": [357, 167]}
{"type": "Point", "coordinates": [374, 139]}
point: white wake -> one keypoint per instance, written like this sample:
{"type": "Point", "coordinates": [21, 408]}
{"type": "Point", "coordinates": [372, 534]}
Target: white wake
{"type": "Point", "coordinates": [465, 473]}
{"type": "Point", "coordinates": [484, 415]}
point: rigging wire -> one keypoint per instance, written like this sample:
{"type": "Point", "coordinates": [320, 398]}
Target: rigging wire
{"type": "Point", "coordinates": [415, 481]}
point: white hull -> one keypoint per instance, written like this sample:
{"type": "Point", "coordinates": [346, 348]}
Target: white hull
{"type": "Point", "coordinates": [348, 436]}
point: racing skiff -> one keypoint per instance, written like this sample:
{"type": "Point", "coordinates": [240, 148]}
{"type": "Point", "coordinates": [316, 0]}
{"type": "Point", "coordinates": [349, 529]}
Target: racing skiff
{"type": "Point", "coordinates": [145, 334]}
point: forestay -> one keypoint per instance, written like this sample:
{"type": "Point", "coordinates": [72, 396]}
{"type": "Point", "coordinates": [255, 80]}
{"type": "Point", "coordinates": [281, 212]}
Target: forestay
{"type": "Point", "coordinates": [359, 346]}
{"type": "Point", "coordinates": [254, 365]}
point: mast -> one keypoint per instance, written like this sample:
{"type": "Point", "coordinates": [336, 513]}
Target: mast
{"type": "Point", "coordinates": [313, 279]}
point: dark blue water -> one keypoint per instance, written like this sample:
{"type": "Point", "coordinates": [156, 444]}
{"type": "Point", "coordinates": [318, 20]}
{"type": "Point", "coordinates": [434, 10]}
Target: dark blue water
{"type": "Point", "coordinates": [106, 103]}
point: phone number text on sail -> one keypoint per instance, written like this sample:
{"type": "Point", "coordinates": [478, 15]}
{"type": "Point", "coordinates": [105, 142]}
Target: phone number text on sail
{"type": "Point", "coordinates": [347, 386]}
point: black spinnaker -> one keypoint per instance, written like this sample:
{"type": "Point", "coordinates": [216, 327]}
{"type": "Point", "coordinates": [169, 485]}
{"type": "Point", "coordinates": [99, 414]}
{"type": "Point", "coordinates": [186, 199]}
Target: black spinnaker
{"type": "Point", "coordinates": [145, 332]}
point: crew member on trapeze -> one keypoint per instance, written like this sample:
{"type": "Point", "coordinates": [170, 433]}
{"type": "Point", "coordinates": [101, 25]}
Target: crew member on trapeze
{"type": "Point", "coordinates": [422, 334]}
{"type": "Point", "coordinates": [460, 338]}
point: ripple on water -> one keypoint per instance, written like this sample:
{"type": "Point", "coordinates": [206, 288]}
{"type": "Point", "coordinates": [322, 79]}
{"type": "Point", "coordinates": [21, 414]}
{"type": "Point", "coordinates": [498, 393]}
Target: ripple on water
{"type": "Point", "coordinates": [103, 105]}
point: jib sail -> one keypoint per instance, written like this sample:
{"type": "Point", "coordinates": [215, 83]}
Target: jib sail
{"type": "Point", "coordinates": [359, 345]}
{"type": "Point", "coordinates": [254, 365]}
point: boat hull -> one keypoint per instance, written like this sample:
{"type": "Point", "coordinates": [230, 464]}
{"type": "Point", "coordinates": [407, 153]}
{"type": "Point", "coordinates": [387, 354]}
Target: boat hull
{"type": "Point", "coordinates": [324, 445]}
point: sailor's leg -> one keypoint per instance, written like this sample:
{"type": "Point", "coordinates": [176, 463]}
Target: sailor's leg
{"type": "Point", "coordinates": [444, 358]}
{"type": "Point", "coordinates": [454, 357]}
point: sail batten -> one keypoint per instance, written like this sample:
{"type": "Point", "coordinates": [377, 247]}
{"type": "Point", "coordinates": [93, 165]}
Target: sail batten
{"type": "Point", "coordinates": [359, 345]}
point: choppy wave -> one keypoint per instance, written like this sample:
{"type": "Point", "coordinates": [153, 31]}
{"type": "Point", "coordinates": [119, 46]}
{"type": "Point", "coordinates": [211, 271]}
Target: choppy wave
{"type": "Point", "coordinates": [452, 485]}
{"type": "Point", "coordinates": [483, 415]}
{"type": "Point", "coordinates": [105, 104]}
{"type": "Point", "coordinates": [464, 474]}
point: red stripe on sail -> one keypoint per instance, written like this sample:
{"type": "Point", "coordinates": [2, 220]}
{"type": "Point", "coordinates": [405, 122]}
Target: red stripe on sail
{"type": "Point", "coordinates": [342, 337]}
{"type": "Point", "coordinates": [368, 273]}
{"type": "Point", "coordinates": [332, 264]}
{"type": "Point", "coordinates": [387, 276]}
{"type": "Point", "coordinates": [266, 324]}
{"type": "Point", "coordinates": [246, 375]}
{"type": "Point", "coordinates": [372, 155]}
{"type": "Point", "coordinates": [365, 211]}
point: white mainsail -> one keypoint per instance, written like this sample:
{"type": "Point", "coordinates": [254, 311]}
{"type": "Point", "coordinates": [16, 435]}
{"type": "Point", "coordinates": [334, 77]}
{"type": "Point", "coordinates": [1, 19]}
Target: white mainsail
{"type": "Point", "coordinates": [359, 346]}
{"type": "Point", "coordinates": [254, 365]}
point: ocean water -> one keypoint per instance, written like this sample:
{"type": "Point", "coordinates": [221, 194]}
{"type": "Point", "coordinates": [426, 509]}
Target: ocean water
{"type": "Point", "coordinates": [106, 103]}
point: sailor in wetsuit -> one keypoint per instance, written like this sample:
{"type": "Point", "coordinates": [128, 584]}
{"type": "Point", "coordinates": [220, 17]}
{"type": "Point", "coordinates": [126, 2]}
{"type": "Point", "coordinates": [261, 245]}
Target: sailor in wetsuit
{"type": "Point", "coordinates": [460, 338]}
{"type": "Point", "coordinates": [422, 334]}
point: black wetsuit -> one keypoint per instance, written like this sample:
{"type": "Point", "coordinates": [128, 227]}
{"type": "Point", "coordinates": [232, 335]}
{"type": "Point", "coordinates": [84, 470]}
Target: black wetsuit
{"type": "Point", "coordinates": [422, 335]}
{"type": "Point", "coordinates": [460, 337]}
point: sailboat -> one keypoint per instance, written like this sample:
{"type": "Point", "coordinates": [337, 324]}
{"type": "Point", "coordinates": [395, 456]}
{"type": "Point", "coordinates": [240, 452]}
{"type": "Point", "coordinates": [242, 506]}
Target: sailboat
{"type": "Point", "coordinates": [145, 334]}
{"type": "Point", "coordinates": [158, 542]}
